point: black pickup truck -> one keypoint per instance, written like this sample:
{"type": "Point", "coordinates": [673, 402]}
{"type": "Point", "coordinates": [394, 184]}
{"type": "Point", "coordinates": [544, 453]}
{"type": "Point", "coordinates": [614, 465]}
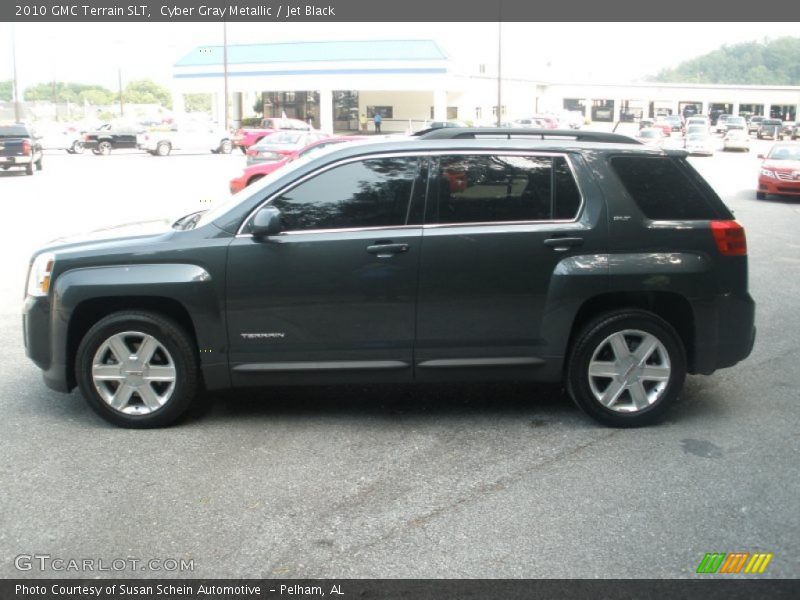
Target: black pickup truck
{"type": "Point", "coordinates": [109, 137]}
{"type": "Point", "coordinates": [20, 147]}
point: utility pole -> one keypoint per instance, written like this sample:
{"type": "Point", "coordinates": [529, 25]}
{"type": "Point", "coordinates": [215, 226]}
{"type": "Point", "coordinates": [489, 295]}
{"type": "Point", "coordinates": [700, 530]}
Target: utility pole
{"type": "Point", "coordinates": [225, 72]}
{"type": "Point", "coordinates": [499, 69]}
{"type": "Point", "coordinates": [119, 80]}
{"type": "Point", "coordinates": [17, 115]}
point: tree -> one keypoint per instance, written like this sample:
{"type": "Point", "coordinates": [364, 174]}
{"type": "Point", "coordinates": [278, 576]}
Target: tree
{"type": "Point", "coordinates": [197, 102]}
{"type": "Point", "coordinates": [145, 91]}
{"type": "Point", "coordinates": [6, 91]}
{"type": "Point", "coordinates": [75, 93]}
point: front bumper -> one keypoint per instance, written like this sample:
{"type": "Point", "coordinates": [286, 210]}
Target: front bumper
{"type": "Point", "coordinates": [41, 344]}
{"type": "Point", "coordinates": [769, 185]}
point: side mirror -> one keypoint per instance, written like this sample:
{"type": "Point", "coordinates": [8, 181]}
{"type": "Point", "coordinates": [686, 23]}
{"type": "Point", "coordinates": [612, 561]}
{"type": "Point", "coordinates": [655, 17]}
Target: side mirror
{"type": "Point", "coordinates": [266, 222]}
{"type": "Point", "coordinates": [761, 156]}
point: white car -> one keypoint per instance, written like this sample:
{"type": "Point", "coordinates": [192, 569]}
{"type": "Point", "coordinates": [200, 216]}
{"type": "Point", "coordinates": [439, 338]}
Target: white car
{"type": "Point", "coordinates": [699, 144]}
{"type": "Point", "coordinates": [736, 139]}
{"type": "Point", "coordinates": [62, 137]}
{"type": "Point", "coordinates": [193, 137]}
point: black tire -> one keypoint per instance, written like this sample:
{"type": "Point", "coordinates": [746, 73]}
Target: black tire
{"type": "Point", "coordinates": [104, 148]}
{"type": "Point", "coordinates": [593, 338]}
{"type": "Point", "coordinates": [225, 147]}
{"type": "Point", "coordinates": [163, 149]}
{"type": "Point", "coordinates": [29, 169]}
{"type": "Point", "coordinates": [171, 336]}
{"type": "Point", "coordinates": [76, 148]}
{"type": "Point", "coordinates": [39, 164]}
{"type": "Point", "coordinates": [761, 196]}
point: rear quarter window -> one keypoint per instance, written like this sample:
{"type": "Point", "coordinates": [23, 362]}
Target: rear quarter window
{"type": "Point", "coordinates": [667, 188]}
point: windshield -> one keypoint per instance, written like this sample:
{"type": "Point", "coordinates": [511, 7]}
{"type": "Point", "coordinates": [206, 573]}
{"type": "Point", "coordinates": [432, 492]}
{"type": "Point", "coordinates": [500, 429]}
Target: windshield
{"type": "Point", "coordinates": [13, 131]}
{"type": "Point", "coordinates": [784, 153]}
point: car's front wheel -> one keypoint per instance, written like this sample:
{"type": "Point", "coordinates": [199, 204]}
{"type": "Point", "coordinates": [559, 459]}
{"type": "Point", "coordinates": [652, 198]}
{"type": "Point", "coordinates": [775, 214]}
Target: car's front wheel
{"type": "Point", "coordinates": [163, 149]}
{"type": "Point", "coordinates": [103, 148]}
{"type": "Point", "coordinates": [137, 369]}
{"type": "Point", "coordinates": [626, 367]}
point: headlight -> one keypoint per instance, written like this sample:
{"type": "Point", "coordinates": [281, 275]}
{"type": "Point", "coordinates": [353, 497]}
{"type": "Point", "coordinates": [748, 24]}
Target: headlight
{"type": "Point", "coordinates": [39, 275]}
{"type": "Point", "coordinates": [767, 173]}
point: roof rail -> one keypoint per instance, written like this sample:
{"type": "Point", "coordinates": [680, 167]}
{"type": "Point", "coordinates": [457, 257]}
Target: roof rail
{"type": "Point", "coordinates": [471, 133]}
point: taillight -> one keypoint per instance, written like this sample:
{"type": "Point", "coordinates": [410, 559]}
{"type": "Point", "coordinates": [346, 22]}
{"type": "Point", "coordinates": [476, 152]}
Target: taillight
{"type": "Point", "coordinates": [730, 238]}
{"type": "Point", "coordinates": [26, 147]}
{"type": "Point", "coordinates": [86, 137]}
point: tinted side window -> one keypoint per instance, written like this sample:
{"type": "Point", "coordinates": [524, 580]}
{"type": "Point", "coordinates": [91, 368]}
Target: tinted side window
{"type": "Point", "coordinates": [661, 189]}
{"type": "Point", "coordinates": [490, 189]}
{"type": "Point", "coordinates": [369, 193]}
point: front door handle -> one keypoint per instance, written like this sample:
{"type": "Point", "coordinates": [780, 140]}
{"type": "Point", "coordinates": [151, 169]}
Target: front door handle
{"type": "Point", "coordinates": [560, 244]}
{"type": "Point", "coordinates": [387, 250]}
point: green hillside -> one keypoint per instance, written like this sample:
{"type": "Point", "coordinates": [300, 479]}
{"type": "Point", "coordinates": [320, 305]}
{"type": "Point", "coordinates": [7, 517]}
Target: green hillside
{"type": "Point", "coordinates": [772, 62]}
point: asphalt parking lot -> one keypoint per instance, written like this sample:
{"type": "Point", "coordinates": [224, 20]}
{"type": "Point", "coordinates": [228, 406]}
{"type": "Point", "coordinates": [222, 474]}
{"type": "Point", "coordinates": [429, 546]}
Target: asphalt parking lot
{"type": "Point", "coordinates": [437, 481]}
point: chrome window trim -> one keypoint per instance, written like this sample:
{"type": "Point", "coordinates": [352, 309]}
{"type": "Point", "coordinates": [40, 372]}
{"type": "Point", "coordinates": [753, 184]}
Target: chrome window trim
{"type": "Point", "coordinates": [425, 153]}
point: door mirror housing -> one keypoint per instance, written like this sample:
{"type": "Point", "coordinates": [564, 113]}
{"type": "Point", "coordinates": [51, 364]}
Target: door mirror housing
{"type": "Point", "coordinates": [266, 222]}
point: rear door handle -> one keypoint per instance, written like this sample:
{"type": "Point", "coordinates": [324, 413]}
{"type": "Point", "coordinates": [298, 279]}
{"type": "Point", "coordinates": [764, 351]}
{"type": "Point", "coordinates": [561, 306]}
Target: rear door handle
{"type": "Point", "coordinates": [560, 244]}
{"type": "Point", "coordinates": [387, 250]}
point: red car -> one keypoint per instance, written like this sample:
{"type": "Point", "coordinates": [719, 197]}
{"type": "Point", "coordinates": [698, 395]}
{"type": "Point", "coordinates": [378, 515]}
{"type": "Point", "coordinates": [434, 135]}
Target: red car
{"type": "Point", "coordinates": [244, 138]}
{"type": "Point", "coordinates": [255, 172]}
{"type": "Point", "coordinates": [780, 171]}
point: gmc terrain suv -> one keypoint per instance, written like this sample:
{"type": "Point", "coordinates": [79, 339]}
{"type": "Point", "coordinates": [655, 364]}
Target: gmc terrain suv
{"type": "Point", "coordinates": [460, 254]}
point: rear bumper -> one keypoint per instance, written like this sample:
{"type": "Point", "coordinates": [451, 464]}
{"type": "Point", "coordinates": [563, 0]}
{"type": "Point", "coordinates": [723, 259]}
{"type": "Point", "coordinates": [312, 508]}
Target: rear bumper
{"type": "Point", "coordinates": [15, 161]}
{"type": "Point", "coordinates": [725, 332]}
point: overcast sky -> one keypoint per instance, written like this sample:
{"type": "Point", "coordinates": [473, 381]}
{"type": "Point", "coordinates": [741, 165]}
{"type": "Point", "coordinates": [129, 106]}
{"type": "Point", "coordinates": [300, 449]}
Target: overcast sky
{"type": "Point", "coordinates": [574, 52]}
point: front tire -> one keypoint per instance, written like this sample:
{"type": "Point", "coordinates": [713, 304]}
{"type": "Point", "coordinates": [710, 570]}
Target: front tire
{"type": "Point", "coordinates": [225, 147]}
{"type": "Point", "coordinates": [137, 369]}
{"type": "Point", "coordinates": [761, 196]}
{"type": "Point", "coordinates": [103, 148]}
{"type": "Point", "coordinates": [163, 149]}
{"type": "Point", "coordinates": [626, 367]}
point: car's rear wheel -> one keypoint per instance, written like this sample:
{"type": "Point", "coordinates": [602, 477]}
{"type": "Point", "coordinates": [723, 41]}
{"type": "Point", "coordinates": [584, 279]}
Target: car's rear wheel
{"type": "Point", "coordinates": [76, 147]}
{"type": "Point", "coordinates": [39, 164]}
{"type": "Point", "coordinates": [626, 367]}
{"type": "Point", "coordinates": [163, 149]}
{"type": "Point", "coordinates": [137, 369]}
{"type": "Point", "coordinates": [761, 196]}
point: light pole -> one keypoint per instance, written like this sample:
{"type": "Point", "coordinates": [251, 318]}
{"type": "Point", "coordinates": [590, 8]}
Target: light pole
{"type": "Point", "coordinates": [499, 66]}
{"type": "Point", "coordinates": [17, 118]}
{"type": "Point", "coordinates": [225, 72]}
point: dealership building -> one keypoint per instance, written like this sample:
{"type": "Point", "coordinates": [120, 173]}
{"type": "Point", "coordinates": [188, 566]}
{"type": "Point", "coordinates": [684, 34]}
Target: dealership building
{"type": "Point", "coordinates": [411, 82]}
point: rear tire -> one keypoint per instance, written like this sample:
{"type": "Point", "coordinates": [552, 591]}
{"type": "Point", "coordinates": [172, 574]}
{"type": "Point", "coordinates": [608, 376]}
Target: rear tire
{"type": "Point", "coordinates": [39, 164]}
{"type": "Point", "coordinates": [761, 196]}
{"type": "Point", "coordinates": [626, 367]}
{"type": "Point", "coordinates": [152, 390]}
{"type": "Point", "coordinates": [29, 169]}
{"type": "Point", "coordinates": [103, 148]}
{"type": "Point", "coordinates": [163, 149]}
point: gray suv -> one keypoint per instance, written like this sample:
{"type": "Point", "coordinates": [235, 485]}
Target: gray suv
{"type": "Point", "coordinates": [458, 255]}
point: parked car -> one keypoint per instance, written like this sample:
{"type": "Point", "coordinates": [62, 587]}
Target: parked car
{"type": "Point", "coordinates": [664, 125]}
{"type": "Point", "coordinates": [112, 136]}
{"type": "Point", "coordinates": [736, 139]}
{"type": "Point", "coordinates": [59, 136]}
{"type": "Point", "coordinates": [699, 144]}
{"type": "Point", "coordinates": [736, 123]}
{"type": "Point", "coordinates": [438, 124]}
{"type": "Point", "coordinates": [530, 122]}
{"type": "Point", "coordinates": [697, 130]}
{"type": "Point", "coordinates": [786, 131]}
{"type": "Point", "coordinates": [697, 120]}
{"type": "Point", "coordinates": [795, 131]}
{"type": "Point", "coordinates": [281, 145]}
{"type": "Point", "coordinates": [257, 171]}
{"type": "Point", "coordinates": [197, 137]}
{"type": "Point", "coordinates": [753, 123]}
{"type": "Point", "coordinates": [770, 128]}
{"type": "Point", "coordinates": [721, 124]}
{"type": "Point", "coordinates": [319, 275]}
{"type": "Point", "coordinates": [20, 147]}
{"type": "Point", "coordinates": [651, 136]}
{"type": "Point", "coordinates": [780, 171]}
{"type": "Point", "coordinates": [246, 137]}
{"type": "Point", "coordinates": [675, 122]}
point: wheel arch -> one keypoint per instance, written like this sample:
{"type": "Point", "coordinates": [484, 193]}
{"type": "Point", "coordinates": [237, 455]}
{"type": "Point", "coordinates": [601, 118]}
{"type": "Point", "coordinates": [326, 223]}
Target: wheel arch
{"type": "Point", "coordinates": [674, 308]}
